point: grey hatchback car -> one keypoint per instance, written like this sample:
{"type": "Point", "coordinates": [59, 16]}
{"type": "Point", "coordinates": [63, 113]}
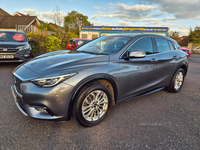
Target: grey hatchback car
{"type": "Point", "coordinates": [86, 82]}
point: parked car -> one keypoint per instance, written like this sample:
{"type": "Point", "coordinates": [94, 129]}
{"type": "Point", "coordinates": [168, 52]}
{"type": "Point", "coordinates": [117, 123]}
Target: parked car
{"type": "Point", "coordinates": [187, 51]}
{"type": "Point", "coordinates": [14, 46]}
{"type": "Point", "coordinates": [86, 82]}
{"type": "Point", "coordinates": [196, 49]}
{"type": "Point", "coordinates": [75, 43]}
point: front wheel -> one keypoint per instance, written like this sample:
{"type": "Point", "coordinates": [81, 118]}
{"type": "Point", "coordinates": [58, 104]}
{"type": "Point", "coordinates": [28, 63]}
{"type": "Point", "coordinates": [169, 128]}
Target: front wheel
{"type": "Point", "coordinates": [92, 105]}
{"type": "Point", "coordinates": [177, 81]}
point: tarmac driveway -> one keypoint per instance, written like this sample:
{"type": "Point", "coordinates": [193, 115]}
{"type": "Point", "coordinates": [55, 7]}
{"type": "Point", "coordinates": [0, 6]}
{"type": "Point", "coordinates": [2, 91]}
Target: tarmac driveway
{"type": "Point", "coordinates": [160, 120]}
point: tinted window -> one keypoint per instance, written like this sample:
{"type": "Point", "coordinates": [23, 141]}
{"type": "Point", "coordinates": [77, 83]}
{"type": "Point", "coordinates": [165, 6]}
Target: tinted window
{"type": "Point", "coordinates": [162, 45]}
{"type": "Point", "coordinates": [144, 44]}
{"type": "Point", "coordinates": [12, 37]}
{"type": "Point", "coordinates": [171, 46]}
{"type": "Point", "coordinates": [104, 45]}
{"type": "Point", "coordinates": [81, 42]}
{"type": "Point", "coordinates": [71, 42]}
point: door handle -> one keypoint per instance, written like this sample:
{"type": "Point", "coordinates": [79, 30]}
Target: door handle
{"type": "Point", "coordinates": [175, 57]}
{"type": "Point", "coordinates": [153, 60]}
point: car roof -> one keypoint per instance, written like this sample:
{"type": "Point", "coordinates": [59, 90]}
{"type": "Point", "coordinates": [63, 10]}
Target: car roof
{"type": "Point", "coordinates": [185, 49]}
{"type": "Point", "coordinates": [142, 35]}
{"type": "Point", "coordinates": [12, 31]}
{"type": "Point", "coordinates": [81, 39]}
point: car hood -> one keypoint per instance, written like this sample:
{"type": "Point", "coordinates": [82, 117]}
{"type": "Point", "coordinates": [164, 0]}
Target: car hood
{"type": "Point", "coordinates": [12, 44]}
{"type": "Point", "coordinates": [61, 62]}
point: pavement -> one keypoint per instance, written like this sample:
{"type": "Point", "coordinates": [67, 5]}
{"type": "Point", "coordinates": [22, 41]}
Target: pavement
{"type": "Point", "coordinates": [159, 121]}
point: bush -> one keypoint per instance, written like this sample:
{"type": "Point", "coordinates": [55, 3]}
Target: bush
{"type": "Point", "coordinates": [43, 44]}
{"type": "Point", "coordinates": [52, 44]}
{"type": "Point", "coordinates": [38, 46]}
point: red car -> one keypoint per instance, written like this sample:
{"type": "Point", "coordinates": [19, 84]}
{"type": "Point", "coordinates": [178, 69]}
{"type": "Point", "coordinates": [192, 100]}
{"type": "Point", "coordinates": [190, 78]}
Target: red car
{"type": "Point", "coordinates": [187, 51]}
{"type": "Point", "coordinates": [75, 43]}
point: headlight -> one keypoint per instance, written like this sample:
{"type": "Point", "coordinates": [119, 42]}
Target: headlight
{"type": "Point", "coordinates": [24, 47]}
{"type": "Point", "coordinates": [49, 82]}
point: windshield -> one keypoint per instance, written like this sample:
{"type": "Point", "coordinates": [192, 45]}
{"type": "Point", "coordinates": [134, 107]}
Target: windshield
{"type": "Point", "coordinates": [12, 37]}
{"type": "Point", "coordinates": [104, 45]}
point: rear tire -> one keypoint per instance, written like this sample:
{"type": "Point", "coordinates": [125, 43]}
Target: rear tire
{"type": "Point", "coordinates": [92, 105]}
{"type": "Point", "coordinates": [177, 81]}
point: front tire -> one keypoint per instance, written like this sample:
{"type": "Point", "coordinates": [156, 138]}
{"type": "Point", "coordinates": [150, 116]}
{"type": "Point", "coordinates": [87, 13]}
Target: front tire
{"type": "Point", "coordinates": [177, 81]}
{"type": "Point", "coordinates": [92, 105]}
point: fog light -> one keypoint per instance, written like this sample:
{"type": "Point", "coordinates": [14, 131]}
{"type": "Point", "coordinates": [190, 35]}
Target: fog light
{"type": "Point", "coordinates": [41, 109]}
{"type": "Point", "coordinates": [27, 55]}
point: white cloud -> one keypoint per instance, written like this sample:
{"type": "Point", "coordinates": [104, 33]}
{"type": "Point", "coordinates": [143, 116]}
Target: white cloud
{"type": "Point", "coordinates": [136, 8]}
{"type": "Point", "coordinates": [182, 9]}
{"type": "Point", "coordinates": [122, 23]}
{"type": "Point", "coordinates": [182, 31]}
{"type": "Point", "coordinates": [44, 16]}
{"type": "Point", "coordinates": [170, 18]}
{"type": "Point", "coordinates": [31, 12]}
{"type": "Point", "coordinates": [100, 7]}
{"type": "Point", "coordinates": [96, 23]}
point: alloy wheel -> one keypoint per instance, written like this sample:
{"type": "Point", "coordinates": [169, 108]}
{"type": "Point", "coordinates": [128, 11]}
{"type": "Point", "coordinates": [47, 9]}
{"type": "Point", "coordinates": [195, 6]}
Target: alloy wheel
{"type": "Point", "coordinates": [178, 80]}
{"type": "Point", "coordinates": [95, 105]}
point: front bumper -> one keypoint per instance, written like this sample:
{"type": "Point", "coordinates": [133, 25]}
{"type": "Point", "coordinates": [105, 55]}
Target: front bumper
{"type": "Point", "coordinates": [19, 56]}
{"type": "Point", "coordinates": [43, 103]}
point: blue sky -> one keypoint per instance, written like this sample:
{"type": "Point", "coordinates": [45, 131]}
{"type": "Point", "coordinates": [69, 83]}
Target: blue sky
{"type": "Point", "coordinates": [178, 15]}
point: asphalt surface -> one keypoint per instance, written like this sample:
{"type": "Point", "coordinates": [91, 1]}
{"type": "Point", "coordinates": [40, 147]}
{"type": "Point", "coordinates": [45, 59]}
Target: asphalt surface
{"type": "Point", "coordinates": [160, 120]}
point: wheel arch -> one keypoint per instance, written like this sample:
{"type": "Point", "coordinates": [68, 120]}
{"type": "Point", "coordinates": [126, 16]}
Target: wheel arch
{"type": "Point", "coordinates": [105, 80]}
{"type": "Point", "coordinates": [185, 68]}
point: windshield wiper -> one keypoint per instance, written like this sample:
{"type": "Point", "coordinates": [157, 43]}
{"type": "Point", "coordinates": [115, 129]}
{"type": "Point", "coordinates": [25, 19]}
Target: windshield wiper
{"type": "Point", "coordinates": [88, 52]}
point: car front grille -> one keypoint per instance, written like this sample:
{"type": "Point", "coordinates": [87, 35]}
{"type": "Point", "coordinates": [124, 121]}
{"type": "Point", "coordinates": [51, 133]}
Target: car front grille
{"type": "Point", "coordinates": [17, 84]}
{"type": "Point", "coordinates": [8, 50]}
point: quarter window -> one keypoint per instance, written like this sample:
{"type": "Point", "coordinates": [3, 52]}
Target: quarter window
{"type": "Point", "coordinates": [162, 45]}
{"type": "Point", "coordinates": [171, 46]}
{"type": "Point", "coordinates": [144, 44]}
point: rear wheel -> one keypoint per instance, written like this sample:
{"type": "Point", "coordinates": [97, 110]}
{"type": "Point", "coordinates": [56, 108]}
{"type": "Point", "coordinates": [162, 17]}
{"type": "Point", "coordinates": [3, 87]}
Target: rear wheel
{"type": "Point", "coordinates": [177, 81]}
{"type": "Point", "coordinates": [92, 105]}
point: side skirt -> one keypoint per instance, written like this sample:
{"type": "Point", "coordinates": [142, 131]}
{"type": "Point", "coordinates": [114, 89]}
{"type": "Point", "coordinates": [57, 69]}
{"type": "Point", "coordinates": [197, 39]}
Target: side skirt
{"type": "Point", "coordinates": [142, 94]}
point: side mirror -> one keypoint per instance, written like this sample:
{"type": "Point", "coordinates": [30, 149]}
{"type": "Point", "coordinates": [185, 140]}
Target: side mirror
{"type": "Point", "coordinates": [178, 47]}
{"type": "Point", "coordinates": [31, 41]}
{"type": "Point", "coordinates": [72, 46]}
{"type": "Point", "coordinates": [137, 54]}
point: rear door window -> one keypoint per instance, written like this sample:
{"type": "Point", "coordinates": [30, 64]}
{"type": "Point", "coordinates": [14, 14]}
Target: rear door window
{"type": "Point", "coordinates": [162, 45]}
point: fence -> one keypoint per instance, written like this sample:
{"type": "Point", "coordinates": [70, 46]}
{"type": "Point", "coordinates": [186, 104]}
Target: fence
{"type": "Point", "coordinates": [33, 29]}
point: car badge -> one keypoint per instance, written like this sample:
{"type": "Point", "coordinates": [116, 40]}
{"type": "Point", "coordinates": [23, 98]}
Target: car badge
{"type": "Point", "coordinates": [5, 49]}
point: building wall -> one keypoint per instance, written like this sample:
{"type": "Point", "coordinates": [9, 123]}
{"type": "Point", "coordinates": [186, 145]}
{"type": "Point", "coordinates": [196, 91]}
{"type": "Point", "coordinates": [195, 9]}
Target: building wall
{"type": "Point", "coordinates": [92, 35]}
{"type": "Point", "coordinates": [92, 32]}
{"type": "Point", "coordinates": [89, 35]}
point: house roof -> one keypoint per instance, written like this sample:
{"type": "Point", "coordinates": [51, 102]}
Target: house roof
{"type": "Point", "coordinates": [55, 26]}
{"type": "Point", "coordinates": [9, 22]}
{"type": "Point", "coordinates": [4, 13]}
{"type": "Point", "coordinates": [19, 14]}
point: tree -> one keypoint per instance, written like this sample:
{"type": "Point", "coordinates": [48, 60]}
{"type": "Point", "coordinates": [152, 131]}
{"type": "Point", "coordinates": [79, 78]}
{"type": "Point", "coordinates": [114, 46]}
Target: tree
{"type": "Point", "coordinates": [174, 35]}
{"type": "Point", "coordinates": [194, 36]}
{"type": "Point", "coordinates": [46, 27]}
{"type": "Point", "coordinates": [57, 16]}
{"type": "Point", "coordinates": [73, 20]}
